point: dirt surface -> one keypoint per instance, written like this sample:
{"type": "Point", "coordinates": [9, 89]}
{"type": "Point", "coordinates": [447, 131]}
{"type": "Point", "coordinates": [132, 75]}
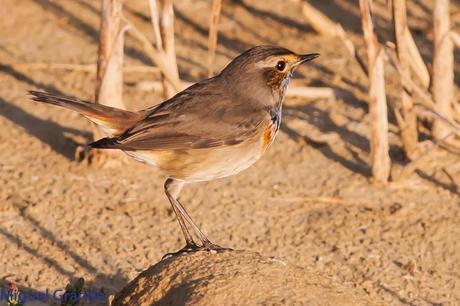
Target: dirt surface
{"type": "Point", "coordinates": [308, 201]}
{"type": "Point", "coordinates": [235, 278]}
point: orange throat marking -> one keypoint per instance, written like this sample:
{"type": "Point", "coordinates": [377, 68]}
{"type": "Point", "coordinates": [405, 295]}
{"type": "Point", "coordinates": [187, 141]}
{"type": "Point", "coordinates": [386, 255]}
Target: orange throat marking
{"type": "Point", "coordinates": [269, 135]}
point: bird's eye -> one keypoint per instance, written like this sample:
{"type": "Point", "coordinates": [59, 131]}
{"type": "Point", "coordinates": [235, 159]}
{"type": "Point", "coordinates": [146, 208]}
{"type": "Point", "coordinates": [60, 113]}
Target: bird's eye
{"type": "Point", "coordinates": [281, 65]}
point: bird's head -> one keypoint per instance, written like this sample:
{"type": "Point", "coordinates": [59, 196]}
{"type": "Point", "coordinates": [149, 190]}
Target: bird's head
{"type": "Point", "coordinates": [264, 69]}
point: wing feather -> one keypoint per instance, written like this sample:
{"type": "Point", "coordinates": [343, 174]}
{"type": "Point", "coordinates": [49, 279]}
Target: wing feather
{"type": "Point", "coordinates": [195, 118]}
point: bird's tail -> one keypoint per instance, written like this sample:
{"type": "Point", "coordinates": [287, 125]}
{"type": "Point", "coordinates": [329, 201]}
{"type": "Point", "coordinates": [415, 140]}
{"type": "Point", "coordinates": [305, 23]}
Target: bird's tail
{"type": "Point", "coordinates": [104, 143]}
{"type": "Point", "coordinates": [112, 120]}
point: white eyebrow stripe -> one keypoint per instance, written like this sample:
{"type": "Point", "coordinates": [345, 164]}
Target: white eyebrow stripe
{"type": "Point", "coordinates": [268, 62]}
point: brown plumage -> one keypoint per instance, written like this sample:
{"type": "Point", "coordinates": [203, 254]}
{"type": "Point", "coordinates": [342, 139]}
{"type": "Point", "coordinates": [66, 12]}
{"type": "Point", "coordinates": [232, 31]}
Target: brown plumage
{"type": "Point", "coordinates": [113, 120]}
{"type": "Point", "coordinates": [214, 128]}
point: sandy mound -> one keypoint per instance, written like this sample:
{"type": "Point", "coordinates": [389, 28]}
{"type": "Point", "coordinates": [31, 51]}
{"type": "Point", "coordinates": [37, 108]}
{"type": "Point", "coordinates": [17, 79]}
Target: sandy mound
{"type": "Point", "coordinates": [234, 277]}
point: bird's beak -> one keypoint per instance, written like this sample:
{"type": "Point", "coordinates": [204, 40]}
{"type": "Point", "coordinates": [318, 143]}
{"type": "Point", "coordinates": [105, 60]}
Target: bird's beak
{"type": "Point", "coordinates": [303, 58]}
{"type": "Point", "coordinates": [307, 57]}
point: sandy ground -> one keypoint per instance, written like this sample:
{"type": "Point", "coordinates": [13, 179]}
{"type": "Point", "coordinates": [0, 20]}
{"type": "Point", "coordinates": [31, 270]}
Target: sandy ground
{"type": "Point", "coordinates": [309, 201]}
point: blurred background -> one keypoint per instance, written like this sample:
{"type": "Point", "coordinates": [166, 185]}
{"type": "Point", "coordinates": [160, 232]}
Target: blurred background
{"type": "Point", "coordinates": [361, 183]}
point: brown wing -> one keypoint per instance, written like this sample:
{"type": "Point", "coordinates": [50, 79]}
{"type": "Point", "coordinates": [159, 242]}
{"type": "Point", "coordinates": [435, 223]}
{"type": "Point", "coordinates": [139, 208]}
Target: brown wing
{"type": "Point", "coordinates": [113, 120]}
{"type": "Point", "coordinates": [199, 117]}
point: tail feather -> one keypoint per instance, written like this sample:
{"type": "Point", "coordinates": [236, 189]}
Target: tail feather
{"type": "Point", "coordinates": [103, 143]}
{"type": "Point", "coordinates": [112, 120]}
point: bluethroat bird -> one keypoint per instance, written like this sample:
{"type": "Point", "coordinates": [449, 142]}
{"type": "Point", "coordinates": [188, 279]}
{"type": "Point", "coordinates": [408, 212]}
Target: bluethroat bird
{"type": "Point", "coordinates": [213, 129]}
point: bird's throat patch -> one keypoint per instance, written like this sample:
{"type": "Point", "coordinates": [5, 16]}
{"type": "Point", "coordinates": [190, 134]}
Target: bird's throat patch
{"type": "Point", "coordinates": [271, 129]}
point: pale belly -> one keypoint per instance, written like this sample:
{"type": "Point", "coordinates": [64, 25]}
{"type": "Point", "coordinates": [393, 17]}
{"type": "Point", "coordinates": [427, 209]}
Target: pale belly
{"type": "Point", "coordinates": [206, 164]}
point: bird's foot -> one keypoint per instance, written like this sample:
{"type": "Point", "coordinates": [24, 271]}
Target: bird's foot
{"type": "Point", "coordinates": [191, 248]}
{"type": "Point", "coordinates": [188, 248]}
{"type": "Point", "coordinates": [211, 247]}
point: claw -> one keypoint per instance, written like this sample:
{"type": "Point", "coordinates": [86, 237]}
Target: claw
{"type": "Point", "coordinates": [209, 246]}
{"type": "Point", "coordinates": [191, 248]}
{"type": "Point", "coordinates": [188, 248]}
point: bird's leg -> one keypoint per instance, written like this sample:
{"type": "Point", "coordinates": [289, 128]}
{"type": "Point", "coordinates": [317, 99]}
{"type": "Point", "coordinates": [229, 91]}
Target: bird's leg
{"type": "Point", "coordinates": [172, 190]}
{"type": "Point", "coordinates": [206, 243]}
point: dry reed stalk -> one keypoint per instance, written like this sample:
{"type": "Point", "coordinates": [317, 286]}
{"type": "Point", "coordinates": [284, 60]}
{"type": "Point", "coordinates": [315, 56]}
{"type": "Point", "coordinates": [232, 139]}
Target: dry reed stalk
{"type": "Point", "coordinates": [421, 159]}
{"type": "Point", "coordinates": [426, 100]}
{"type": "Point", "coordinates": [377, 98]}
{"type": "Point", "coordinates": [155, 24]}
{"type": "Point", "coordinates": [407, 120]}
{"type": "Point", "coordinates": [309, 93]}
{"type": "Point", "coordinates": [317, 20]}
{"type": "Point", "coordinates": [351, 47]}
{"type": "Point", "coordinates": [443, 64]}
{"type": "Point", "coordinates": [91, 68]}
{"type": "Point", "coordinates": [157, 86]}
{"type": "Point", "coordinates": [456, 114]}
{"type": "Point", "coordinates": [109, 77]}
{"type": "Point", "coordinates": [416, 61]}
{"type": "Point", "coordinates": [455, 39]}
{"type": "Point", "coordinates": [109, 74]}
{"type": "Point", "coordinates": [166, 19]}
{"type": "Point", "coordinates": [155, 55]}
{"type": "Point", "coordinates": [325, 26]}
{"type": "Point", "coordinates": [293, 91]}
{"type": "Point", "coordinates": [212, 40]}
{"type": "Point", "coordinates": [162, 16]}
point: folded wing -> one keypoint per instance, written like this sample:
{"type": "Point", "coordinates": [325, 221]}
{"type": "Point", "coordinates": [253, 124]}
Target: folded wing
{"type": "Point", "coordinates": [196, 118]}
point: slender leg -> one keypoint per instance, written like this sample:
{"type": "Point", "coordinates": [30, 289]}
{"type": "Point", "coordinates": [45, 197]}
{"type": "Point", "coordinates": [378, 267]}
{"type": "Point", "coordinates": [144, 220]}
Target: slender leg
{"type": "Point", "coordinates": [172, 190]}
{"type": "Point", "coordinates": [206, 244]}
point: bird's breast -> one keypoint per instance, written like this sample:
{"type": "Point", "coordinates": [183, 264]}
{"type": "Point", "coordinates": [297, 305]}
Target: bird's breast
{"type": "Point", "coordinates": [271, 129]}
